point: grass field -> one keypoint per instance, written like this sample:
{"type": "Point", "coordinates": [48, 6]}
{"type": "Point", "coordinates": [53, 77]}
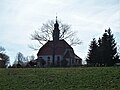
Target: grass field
{"type": "Point", "coordinates": [89, 78]}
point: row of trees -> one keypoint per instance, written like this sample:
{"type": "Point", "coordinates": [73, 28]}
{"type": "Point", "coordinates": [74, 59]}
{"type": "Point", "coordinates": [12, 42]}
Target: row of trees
{"type": "Point", "coordinates": [104, 52]}
{"type": "Point", "coordinates": [21, 60]}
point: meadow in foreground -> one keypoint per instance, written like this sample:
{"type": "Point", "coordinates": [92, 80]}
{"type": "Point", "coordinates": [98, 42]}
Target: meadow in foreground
{"type": "Point", "coordinates": [89, 78]}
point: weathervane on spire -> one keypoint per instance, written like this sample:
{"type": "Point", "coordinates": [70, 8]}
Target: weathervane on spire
{"type": "Point", "coordinates": [56, 17]}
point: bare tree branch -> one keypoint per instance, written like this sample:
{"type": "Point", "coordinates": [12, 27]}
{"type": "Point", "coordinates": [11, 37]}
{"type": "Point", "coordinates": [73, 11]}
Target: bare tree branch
{"type": "Point", "coordinates": [34, 47]}
{"type": "Point", "coordinates": [46, 31]}
{"type": "Point", "coordinates": [75, 41]}
{"type": "Point", "coordinates": [65, 30]}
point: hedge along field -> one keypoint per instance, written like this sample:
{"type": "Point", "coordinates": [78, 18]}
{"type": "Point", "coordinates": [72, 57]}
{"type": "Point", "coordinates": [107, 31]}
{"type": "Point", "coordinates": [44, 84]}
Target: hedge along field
{"type": "Point", "coordinates": [89, 78]}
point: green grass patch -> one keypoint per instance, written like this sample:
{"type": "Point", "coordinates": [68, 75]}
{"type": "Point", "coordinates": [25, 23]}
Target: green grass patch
{"type": "Point", "coordinates": [89, 78]}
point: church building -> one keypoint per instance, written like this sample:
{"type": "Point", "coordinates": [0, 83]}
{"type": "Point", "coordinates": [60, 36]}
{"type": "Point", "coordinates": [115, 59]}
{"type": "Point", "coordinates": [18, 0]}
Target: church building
{"type": "Point", "coordinates": [58, 52]}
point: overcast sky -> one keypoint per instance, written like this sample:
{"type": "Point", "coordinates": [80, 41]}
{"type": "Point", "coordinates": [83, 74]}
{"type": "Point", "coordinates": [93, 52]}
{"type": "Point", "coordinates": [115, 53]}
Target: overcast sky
{"type": "Point", "coordinates": [19, 19]}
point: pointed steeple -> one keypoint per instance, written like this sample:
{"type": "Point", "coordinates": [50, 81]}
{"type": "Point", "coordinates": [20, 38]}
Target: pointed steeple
{"type": "Point", "coordinates": [56, 31]}
{"type": "Point", "coordinates": [56, 25]}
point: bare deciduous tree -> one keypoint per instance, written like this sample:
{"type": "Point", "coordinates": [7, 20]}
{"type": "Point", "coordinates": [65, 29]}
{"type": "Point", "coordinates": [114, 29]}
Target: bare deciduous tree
{"type": "Point", "coordinates": [20, 58]}
{"type": "Point", "coordinates": [45, 33]}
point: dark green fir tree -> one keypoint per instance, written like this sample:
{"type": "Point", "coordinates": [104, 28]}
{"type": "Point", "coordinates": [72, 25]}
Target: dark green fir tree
{"type": "Point", "coordinates": [103, 53]}
{"type": "Point", "coordinates": [92, 54]}
{"type": "Point", "coordinates": [108, 49]}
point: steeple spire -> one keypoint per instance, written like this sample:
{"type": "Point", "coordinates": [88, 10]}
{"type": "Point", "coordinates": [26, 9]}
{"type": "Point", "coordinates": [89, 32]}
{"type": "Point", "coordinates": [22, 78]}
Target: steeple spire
{"type": "Point", "coordinates": [56, 25]}
{"type": "Point", "coordinates": [56, 31]}
{"type": "Point", "coordinates": [56, 18]}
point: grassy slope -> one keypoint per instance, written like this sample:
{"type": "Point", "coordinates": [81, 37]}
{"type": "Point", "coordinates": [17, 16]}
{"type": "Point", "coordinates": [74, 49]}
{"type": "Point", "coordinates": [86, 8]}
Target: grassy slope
{"type": "Point", "coordinates": [60, 79]}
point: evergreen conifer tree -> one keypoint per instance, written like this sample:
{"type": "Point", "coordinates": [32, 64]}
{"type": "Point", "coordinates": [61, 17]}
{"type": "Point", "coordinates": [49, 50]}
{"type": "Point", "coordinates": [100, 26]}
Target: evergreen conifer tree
{"type": "Point", "coordinates": [91, 59]}
{"type": "Point", "coordinates": [99, 52]}
{"type": "Point", "coordinates": [104, 52]}
{"type": "Point", "coordinates": [108, 49]}
{"type": "Point", "coordinates": [113, 56]}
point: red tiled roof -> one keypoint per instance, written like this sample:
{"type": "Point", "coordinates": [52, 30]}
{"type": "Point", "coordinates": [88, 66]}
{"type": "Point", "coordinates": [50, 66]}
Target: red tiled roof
{"type": "Point", "coordinates": [60, 47]}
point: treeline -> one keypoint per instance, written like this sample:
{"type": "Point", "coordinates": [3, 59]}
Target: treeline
{"type": "Point", "coordinates": [27, 62]}
{"type": "Point", "coordinates": [104, 51]}
{"type": "Point", "coordinates": [21, 61]}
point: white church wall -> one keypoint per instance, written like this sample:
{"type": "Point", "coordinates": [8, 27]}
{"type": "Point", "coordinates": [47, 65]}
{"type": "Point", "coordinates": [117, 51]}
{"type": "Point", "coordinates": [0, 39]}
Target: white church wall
{"type": "Point", "coordinates": [50, 57]}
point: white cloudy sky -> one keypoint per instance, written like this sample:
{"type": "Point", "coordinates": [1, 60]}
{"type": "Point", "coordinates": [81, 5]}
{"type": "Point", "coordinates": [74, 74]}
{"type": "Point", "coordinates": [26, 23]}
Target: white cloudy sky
{"type": "Point", "coordinates": [19, 19]}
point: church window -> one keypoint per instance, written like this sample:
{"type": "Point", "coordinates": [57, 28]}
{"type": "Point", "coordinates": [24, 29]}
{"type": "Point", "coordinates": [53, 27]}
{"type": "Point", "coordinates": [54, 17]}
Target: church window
{"type": "Point", "coordinates": [58, 60]}
{"type": "Point", "coordinates": [48, 61]}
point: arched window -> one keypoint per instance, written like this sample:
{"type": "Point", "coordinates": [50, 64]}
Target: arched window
{"type": "Point", "coordinates": [48, 61]}
{"type": "Point", "coordinates": [72, 61]}
{"type": "Point", "coordinates": [58, 60]}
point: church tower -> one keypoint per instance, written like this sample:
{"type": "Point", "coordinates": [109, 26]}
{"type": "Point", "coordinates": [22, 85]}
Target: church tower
{"type": "Point", "coordinates": [56, 31]}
